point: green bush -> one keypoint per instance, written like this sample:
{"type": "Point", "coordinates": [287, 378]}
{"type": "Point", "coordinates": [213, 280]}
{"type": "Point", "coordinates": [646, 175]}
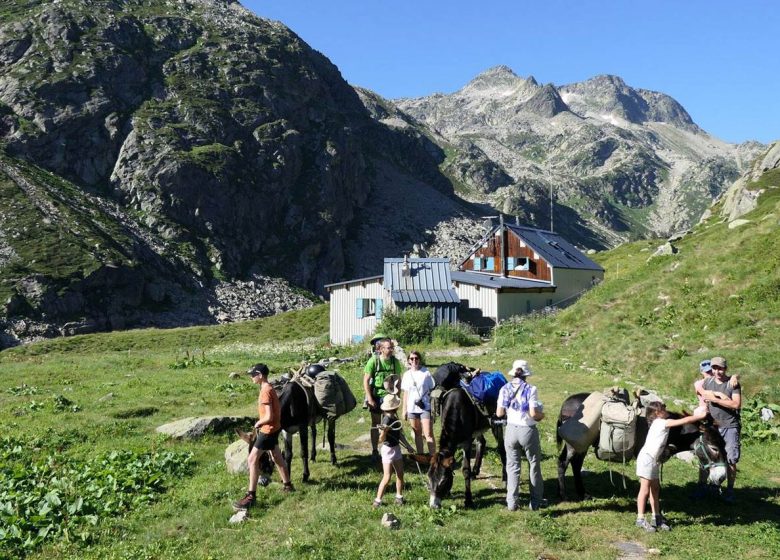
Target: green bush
{"type": "Point", "coordinates": [455, 333]}
{"type": "Point", "coordinates": [412, 325]}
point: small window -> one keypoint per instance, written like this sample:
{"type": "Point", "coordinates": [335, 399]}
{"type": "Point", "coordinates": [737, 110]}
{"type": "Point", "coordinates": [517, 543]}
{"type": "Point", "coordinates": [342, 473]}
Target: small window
{"type": "Point", "coordinates": [522, 263]}
{"type": "Point", "coordinates": [490, 263]}
{"type": "Point", "coordinates": [367, 307]}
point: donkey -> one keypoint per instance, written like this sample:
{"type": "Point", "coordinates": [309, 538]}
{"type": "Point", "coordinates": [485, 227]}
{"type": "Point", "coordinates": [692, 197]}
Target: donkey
{"type": "Point", "coordinates": [461, 424]}
{"type": "Point", "coordinates": [680, 438]}
{"type": "Point", "coordinates": [300, 413]}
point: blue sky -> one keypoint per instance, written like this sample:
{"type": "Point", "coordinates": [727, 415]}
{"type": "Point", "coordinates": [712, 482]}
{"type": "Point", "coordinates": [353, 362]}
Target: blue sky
{"type": "Point", "coordinates": [720, 60]}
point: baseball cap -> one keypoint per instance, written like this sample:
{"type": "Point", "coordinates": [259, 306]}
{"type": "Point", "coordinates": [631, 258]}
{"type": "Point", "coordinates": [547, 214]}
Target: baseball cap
{"type": "Point", "coordinates": [258, 369]}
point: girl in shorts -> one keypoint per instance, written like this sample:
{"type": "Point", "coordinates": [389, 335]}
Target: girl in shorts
{"type": "Point", "coordinates": [416, 385]}
{"type": "Point", "coordinates": [647, 464]}
{"type": "Point", "coordinates": [390, 436]}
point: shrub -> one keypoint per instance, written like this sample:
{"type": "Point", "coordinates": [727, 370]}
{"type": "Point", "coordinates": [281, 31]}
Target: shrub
{"type": "Point", "coordinates": [411, 325]}
{"type": "Point", "coordinates": [455, 333]}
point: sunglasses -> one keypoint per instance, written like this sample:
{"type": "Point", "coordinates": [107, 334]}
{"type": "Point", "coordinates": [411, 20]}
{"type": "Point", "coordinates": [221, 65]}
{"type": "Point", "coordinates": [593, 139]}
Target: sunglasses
{"type": "Point", "coordinates": [718, 367]}
{"type": "Point", "coordinates": [414, 359]}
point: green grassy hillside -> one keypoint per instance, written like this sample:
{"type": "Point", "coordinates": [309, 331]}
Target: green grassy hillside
{"type": "Point", "coordinates": [78, 447]}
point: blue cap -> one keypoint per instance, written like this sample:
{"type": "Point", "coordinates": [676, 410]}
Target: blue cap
{"type": "Point", "coordinates": [705, 366]}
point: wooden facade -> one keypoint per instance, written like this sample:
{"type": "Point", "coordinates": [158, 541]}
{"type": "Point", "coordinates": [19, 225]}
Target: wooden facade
{"type": "Point", "coordinates": [520, 261]}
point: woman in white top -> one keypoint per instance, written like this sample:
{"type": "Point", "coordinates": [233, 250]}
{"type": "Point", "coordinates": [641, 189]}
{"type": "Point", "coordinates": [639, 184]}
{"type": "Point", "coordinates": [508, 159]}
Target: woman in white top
{"type": "Point", "coordinates": [416, 385]}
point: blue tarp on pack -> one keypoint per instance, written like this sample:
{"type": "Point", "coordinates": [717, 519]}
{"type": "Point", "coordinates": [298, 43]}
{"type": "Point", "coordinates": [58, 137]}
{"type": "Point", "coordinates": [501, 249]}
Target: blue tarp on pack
{"type": "Point", "coordinates": [486, 386]}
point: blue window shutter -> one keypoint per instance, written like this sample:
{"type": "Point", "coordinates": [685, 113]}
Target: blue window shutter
{"type": "Point", "coordinates": [491, 264]}
{"type": "Point", "coordinates": [510, 263]}
{"type": "Point", "coordinates": [359, 308]}
{"type": "Point", "coordinates": [477, 263]}
{"type": "Point", "coordinates": [379, 305]}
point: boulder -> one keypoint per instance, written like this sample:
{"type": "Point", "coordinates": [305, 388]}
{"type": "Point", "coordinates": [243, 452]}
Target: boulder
{"type": "Point", "coordinates": [737, 223]}
{"type": "Point", "coordinates": [390, 521]}
{"type": "Point", "coordinates": [195, 427]}
{"type": "Point", "coordinates": [235, 457]}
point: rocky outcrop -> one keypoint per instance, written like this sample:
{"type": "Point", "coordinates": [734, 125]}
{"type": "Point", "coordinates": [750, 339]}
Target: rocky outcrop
{"type": "Point", "coordinates": [742, 196]}
{"type": "Point", "coordinates": [621, 162]}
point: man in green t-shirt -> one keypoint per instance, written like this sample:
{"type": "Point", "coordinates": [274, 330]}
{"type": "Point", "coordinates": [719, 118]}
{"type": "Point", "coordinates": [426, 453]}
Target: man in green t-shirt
{"type": "Point", "coordinates": [379, 366]}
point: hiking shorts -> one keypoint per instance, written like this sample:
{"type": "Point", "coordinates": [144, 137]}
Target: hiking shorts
{"type": "Point", "coordinates": [647, 467]}
{"type": "Point", "coordinates": [267, 442]}
{"type": "Point", "coordinates": [731, 437]}
{"type": "Point", "coordinates": [391, 454]}
{"type": "Point", "coordinates": [424, 415]}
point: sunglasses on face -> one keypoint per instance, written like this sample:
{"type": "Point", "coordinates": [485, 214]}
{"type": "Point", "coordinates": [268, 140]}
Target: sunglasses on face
{"type": "Point", "coordinates": [414, 359]}
{"type": "Point", "coordinates": [718, 367]}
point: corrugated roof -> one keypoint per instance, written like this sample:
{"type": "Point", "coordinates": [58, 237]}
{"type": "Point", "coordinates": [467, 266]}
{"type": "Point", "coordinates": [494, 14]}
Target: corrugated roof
{"type": "Point", "coordinates": [498, 281]}
{"type": "Point", "coordinates": [355, 281]}
{"type": "Point", "coordinates": [427, 281]}
{"type": "Point", "coordinates": [554, 249]}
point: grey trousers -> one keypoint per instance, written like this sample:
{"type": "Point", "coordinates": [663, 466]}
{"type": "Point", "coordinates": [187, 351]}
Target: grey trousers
{"type": "Point", "coordinates": [519, 440]}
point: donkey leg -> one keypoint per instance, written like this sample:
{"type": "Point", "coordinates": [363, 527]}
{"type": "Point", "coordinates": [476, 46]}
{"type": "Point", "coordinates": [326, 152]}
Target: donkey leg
{"type": "Point", "coordinates": [563, 464]}
{"type": "Point", "coordinates": [288, 452]}
{"type": "Point", "coordinates": [481, 444]}
{"type": "Point", "coordinates": [576, 468]}
{"type": "Point", "coordinates": [314, 441]}
{"type": "Point", "coordinates": [498, 433]}
{"type": "Point", "coordinates": [303, 433]}
{"type": "Point", "coordinates": [332, 440]}
{"type": "Point", "coordinates": [468, 501]}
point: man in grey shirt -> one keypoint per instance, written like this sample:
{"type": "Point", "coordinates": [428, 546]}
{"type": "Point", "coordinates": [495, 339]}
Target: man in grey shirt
{"type": "Point", "coordinates": [723, 404]}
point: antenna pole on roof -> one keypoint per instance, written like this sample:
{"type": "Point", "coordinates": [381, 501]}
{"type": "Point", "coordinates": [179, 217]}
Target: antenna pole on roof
{"type": "Point", "coordinates": [551, 206]}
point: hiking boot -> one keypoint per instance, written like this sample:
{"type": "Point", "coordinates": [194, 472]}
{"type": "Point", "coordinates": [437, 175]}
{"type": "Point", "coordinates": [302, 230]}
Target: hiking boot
{"type": "Point", "coordinates": [288, 487]}
{"type": "Point", "coordinates": [660, 524]}
{"type": "Point", "coordinates": [245, 503]}
{"type": "Point", "coordinates": [376, 504]}
{"type": "Point", "coordinates": [643, 524]}
{"type": "Point", "coordinates": [536, 506]}
{"type": "Point", "coordinates": [399, 500]}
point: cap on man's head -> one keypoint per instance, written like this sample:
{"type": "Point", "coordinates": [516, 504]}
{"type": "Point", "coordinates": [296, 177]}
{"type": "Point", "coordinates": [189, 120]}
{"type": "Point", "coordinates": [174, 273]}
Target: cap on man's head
{"type": "Point", "coordinates": [258, 369]}
{"type": "Point", "coordinates": [705, 366]}
{"type": "Point", "coordinates": [520, 368]}
{"type": "Point", "coordinates": [718, 361]}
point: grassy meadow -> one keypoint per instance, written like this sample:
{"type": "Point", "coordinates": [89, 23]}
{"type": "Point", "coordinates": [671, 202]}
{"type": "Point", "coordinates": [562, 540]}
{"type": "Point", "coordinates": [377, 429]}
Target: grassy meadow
{"type": "Point", "coordinates": [79, 418]}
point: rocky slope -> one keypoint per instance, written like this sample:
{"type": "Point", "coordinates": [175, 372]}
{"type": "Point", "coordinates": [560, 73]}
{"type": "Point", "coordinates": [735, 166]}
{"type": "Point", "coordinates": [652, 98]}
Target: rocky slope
{"type": "Point", "coordinates": [220, 148]}
{"type": "Point", "coordinates": [622, 162]}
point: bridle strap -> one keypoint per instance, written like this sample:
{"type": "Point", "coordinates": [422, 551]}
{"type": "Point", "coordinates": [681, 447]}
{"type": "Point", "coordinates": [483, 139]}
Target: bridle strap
{"type": "Point", "coordinates": [705, 462]}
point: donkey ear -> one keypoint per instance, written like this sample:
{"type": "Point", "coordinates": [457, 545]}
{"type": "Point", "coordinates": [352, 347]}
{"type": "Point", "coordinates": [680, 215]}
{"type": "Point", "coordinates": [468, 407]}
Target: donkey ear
{"type": "Point", "coordinates": [243, 435]}
{"type": "Point", "coordinates": [424, 459]}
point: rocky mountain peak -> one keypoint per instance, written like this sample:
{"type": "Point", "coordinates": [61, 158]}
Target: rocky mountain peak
{"type": "Point", "coordinates": [609, 98]}
{"type": "Point", "coordinates": [499, 81]}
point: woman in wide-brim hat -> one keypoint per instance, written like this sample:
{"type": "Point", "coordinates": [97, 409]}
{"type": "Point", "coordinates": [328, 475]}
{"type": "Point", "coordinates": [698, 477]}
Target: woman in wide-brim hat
{"type": "Point", "coordinates": [390, 437]}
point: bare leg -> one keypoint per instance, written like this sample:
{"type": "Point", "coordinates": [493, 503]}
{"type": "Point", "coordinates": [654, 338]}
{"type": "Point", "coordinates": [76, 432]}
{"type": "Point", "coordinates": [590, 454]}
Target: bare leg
{"type": "Point", "coordinates": [655, 497]}
{"type": "Point", "coordinates": [375, 419]}
{"type": "Point", "coordinates": [281, 466]}
{"type": "Point", "coordinates": [398, 467]}
{"type": "Point", "coordinates": [418, 437]}
{"type": "Point", "coordinates": [253, 462]}
{"type": "Point", "coordinates": [427, 428]}
{"type": "Point", "coordinates": [387, 469]}
{"type": "Point", "coordinates": [641, 498]}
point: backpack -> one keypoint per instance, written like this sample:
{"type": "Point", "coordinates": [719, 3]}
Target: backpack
{"type": "Point", "coordinates": [448, 375]}
{"type": "Point", "coordinates": [618, 429]}
{"type": "Point", "coordinates": [486, 386]}
{"type": "Point", "coordinates": [333, 394]}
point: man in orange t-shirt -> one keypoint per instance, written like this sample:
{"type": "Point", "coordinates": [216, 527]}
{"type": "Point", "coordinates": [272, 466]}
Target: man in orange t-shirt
{"type": "Point", "coordinates": [268, 427]}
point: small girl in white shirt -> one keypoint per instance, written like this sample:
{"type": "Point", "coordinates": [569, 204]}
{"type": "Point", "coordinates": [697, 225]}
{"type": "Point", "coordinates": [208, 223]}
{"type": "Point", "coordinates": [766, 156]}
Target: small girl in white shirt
{"type": "Point", "coordinates": [647, 464]}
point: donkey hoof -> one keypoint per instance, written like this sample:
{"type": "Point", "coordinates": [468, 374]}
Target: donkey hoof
{"type": "Point", "coordinates": [333, 461]}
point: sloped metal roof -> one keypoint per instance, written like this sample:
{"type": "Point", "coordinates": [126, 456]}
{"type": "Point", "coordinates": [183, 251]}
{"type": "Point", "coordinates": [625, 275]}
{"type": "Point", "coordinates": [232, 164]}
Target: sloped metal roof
{"type": "Point", "coordinates": [427, 281]}
{"type": "Point", "coordinates": [554, 249]}
{"type": "Point", "coordinates": [498, 281]}
{"type": "Point", "coordinates": [355, 281]}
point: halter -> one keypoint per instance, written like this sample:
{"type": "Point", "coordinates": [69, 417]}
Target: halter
{"type": "Point", "coordinates": [705, 462]}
